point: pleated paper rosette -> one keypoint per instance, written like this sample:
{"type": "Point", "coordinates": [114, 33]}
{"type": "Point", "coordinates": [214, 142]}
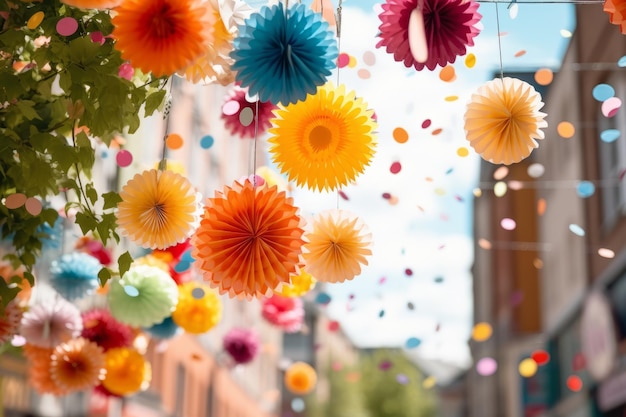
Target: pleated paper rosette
{"type": "Point", "coordinates": [249, 240]}
{"type": "Point", "coordinates": [199, 308]}
{"type": "Point", "coordinates": [77, 365]}
{"type": "Point", "coordinates": [503, 121]}
{"type": "Point", "coordinates": [75, 275]}
{"type": "Point", "coordinates": [127, 371]}
{"type": "Point", "coordinates": [286, 313]}
{"type": "Point", "coordinates": [300, 378]}
{"type": "Point", "coordinates": [50, 323]}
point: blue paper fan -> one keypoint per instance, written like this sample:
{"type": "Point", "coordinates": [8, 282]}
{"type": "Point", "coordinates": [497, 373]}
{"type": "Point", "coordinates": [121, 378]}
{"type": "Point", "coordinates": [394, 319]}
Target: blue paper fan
{"type": "Point", "coordinates": [167, 329]}
{"type": "Point", "coordinates": [75, 275]}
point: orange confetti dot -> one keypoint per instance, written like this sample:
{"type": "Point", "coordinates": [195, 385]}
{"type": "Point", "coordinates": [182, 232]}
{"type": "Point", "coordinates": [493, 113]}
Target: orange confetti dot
{"type": "Point", "coordinates": [447, 74]}
{"type": "Point", "coordinates": [566, 130]}
{"type": "Point", "coordinates": [14, 201]}
{"type": "Point", "coordinates": [174, 141]}
{"type": "Point", "coordinates": [544, 76]}
{"type": "Point", "coordinates": [574, 383]}
{"type": "Point", "coordinates": [400, 135]}
{"type": "Point", "coordinates": [462, 152]}
{"type": "Point", "coordinates": [541, 206]}
{"type": "Point", "coordinates": [437, 131]}
{"type": "Point", "coordinates": [484, 244]}
{"type": "Point", "coordinates": [520, 53]}
{"type": "Point", "coordinates": [470, 60]}
{"type": "Point", "coordinates": [363, 73]}
{"type": "Point", "coordinates": [538, 263]}
{"type": "Point", "coordinates": [451, 98]}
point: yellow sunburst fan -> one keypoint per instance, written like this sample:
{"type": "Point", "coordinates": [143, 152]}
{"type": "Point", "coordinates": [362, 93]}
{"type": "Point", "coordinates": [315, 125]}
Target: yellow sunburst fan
{"type": "Point", "coordinates": [325, 141]}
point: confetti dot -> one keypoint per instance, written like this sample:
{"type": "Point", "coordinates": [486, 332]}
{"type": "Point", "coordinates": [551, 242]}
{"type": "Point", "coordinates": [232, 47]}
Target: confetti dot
{"type": "Point", "coordinates": [536, 170]}
{"type": "Point", "coordinates": [364, 74]}
{"type": "Point", "coordinates": [484, 244]}
{"type": "Point", "coordinates": [182, 266]}
{"type": "Point", "coordinates": [574, 383]}
{"type": "Point", "coordinates": [606, 253]}
{"type": "Point", "coordinates": [412, 342]}
{"type": "Point", "coordinates": [35, 20]}
{"type": "Point", "coordinates": [500, 189]}
{"type": "Point", "coordinates": [611, 106]}
{"type": "Point", "coordinates": [343, 60]}
{"type": "Point", "coordinates": [577, 230]}
{"type": "Point", "coordinates": [447, 74]}
{"type": "Point", "coordinates": [246, 117]}
{"type": "Point", "coordinates": [400, 135]}
{"type": "Point", "coordinates": [394, 200]}
{"type": "Point", "coordinates": [333, 325]}
{"type": "Point", "coordinates": [513, 10]}
{"type": "Point", "coordinates": [206, 142]}
{"type": "Point", "coordinates": [541, 357]}
{"type": "Point", "coordinates": [477, 192]}
{"type": "Point", "coordinates": [470, 60]}
{"type": "Point", "coordinates": [565, 130]}
{"type": "Point", "coordinates": [402, 379]}
{"type": "Point", "coordinates": [585, 189]}
{"type": "Point", "coordinates": [500, 173]}
{"type": "Point", "coordinates": [508, 224]}
{"type": "Point", "coordinates": [385, 365]}
{"type": "Point", "coordinates": [381, 313]}
{"type": "Point", "coordinates": [451, 98]}
{"type": "Point", "coordinates": [126, 71]}
{"type": "Point", "coordinates": [124, 158]}
{"type": "Point", "coordinates": [622, 62]}
{"type": "Point", "coordinates": [386, 196]}
{"type": "Point", "coordinates": [67, 26]}
{"type": "Point", "coordinates": [410, 306]}
{"type": "Point", "coordinates": [438, 280]}
{"type": "Point", "coordinates": [426, 124]}
{"type": "Point", "coordinates": [565, 33]}
{"type": "Point", "coordinates": [33, 206]}
{"type": "Point", "coordinates": [602, 92]}
{"type": "Point", "coordinates": [527, 368]}
{"type": "Point", "coordinates": [323, 298]}
{"type": "Point", "coordinates": [15, 201]}
{"type": "Point", "coordinates": [610, 135]}
{"type": "Point", "coordinates": [520, 53]}
{"type": "Point", "coordinates": [352, 62]}
{"type": "Point", "coordinates": [515, 185]}
{"type": "Point", "coordinates": [343, 195]}
{"type": "Point", "coordinates": [395, 168]}
{"type": "Point", "coordinates": [481, 331]}
{"type": "Point", "coordinates": [462, 152]}
{"type": "Point", "coordinates": [97, 37]}
{"type": "Point", "coordinates": [131, 291]}
{"type": "Point", "coordinates": [486, 366]}
{"type": "Point", "coordinates": [541, 206]}
{"type": "Point", "coordinates": [298, 405]}
{"type": "Point", "coordinates": [231, 107]}
{"type": "Point", "coordinates": [538, 263]}
{"type": "Point", "coordinates": [437, 131]}
{"type": "Point", "coordinates": [369, 58]}
{"type": "Point", "coordinates": [197, 293]}
{"type": "Point", "coordinates": [429, 382]}
{"type": "Point", "coordinates": [408, 272]}
{"type": "Point", "coordinates": [174, 141]}
{"type": "Point", "coordinates": [544, 76]}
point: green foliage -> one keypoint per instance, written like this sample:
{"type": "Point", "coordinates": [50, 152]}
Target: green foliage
{"type": "Point", "coordinates": [54, 89]}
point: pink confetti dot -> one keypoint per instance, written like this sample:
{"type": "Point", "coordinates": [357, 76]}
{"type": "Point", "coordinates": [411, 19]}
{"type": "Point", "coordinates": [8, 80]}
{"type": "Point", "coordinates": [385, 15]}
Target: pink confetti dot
{"type": "Point", "coordinates": [395, 167]}
{"type": "Point", "coordinates": [124, 158]}
{"type": "Point", "coordinates": [426, 124]}
{"type": "Point", "coordinates": [343, 60]}
{"type": "Point", "coordinates": [231, 107]}
{"type": "Point", "coordinates": [97, 37]}
{"type": "Point", "coordinates": [126, 71]}
{"type": "Point", "coordinates": [508, 224]}
{"type": "Point", "coordinates": [386, 196]}
{"type": "Point", "coordinates": [408, 272]}
{"type": "Point", "coordinates": [67, 26]}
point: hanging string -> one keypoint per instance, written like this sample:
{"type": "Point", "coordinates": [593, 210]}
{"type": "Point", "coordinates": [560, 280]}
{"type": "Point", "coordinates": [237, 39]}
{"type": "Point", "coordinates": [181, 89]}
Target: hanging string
{"type": "Point", "coordinates": [499, 42]}
{"type": "Point", "coordinates": [166, 117]}
{"type": "Point", "coordinates": [254, 147]}
{"type": "Point", "coordinates": [338, 19]}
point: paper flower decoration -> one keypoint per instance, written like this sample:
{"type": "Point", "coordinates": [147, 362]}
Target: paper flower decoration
{"type": "Point", "coordinates": [126, 371]}
{"type": "Point", "coordinates": [300, 378]}
{"type": "Point", "coordinates": [144, 296]}
{"type": "Point", "coordinates": [249, 240]}
{"type": "Point", "coordinates": [92, 4]}
{"type": "Point", "coordinates": [161, 36]}
{"type": "Point", "coordinates": [208, 68]}
{"type": "Point", "coordinates": [503, 120]}
{"type": "Point", "coordinates": [167, 329]}
{"type": "Point", "coordinates": [300, 285]}
{"type": "Point", "coordinates": [284, 312]}
{"type": "Point", "coordinates": [240, 116]}
{"type": "Point", "coordinates": [325, 141]}
{"type": "Point", "coordinates": [39, 363]}
{"type": "Point", "coordinates": [617, 13]}
{"type": "Point", "coordinates": [283, 55]}
{"type": "Point", "coordinates": [199, 308]}
{"type": "Point", "coordinates": [337, 246]}
{"type": "Point", "coordinates": [51, 323]}
{"type": "Point", "coordinates": [101, 328]}
{"type": "Point", "coordinates": [241, 344]}
{"type": "Point", "coordinates": [75, 275]}
{"type": "Point", "coordinates": [158, 209]}
{"type": "Point", "coordinates": [77, 365]}
{"type": "Point", "coordinates": [10, 321]}
{"type": "Point", "coordinates": [449, 27]}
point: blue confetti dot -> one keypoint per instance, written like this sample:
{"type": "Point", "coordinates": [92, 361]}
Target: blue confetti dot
{"type": "Point", "coordinates": [323, 298]}
{"type": "Point", "coordinates": [585, 189]}
{"type": "Point", "coordinates": [381, 313]}
{"type": "Point", "coordinates": [622, 62]}
{"type": "Point", "coordinates": [602, 92]}
{"type": "Point", "coordinates": [207, 141]}
{"type": "Point", "coordinates": [610, 135]}
{"type": "Point", "coordinates": [182, 266]}
{"type": "Point", "coordinates": [577, 230]}
{"type": "Point", "coordinates": [412, 342]}
{"type": "Point", "coordinates": [187, 257]}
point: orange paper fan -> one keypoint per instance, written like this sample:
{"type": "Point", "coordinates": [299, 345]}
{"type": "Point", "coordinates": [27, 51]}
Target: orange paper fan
{"type": "Point", "coordinates": [249, 240]}
{"type": "Point", "coordinates": [39, 375]}
{"type": "Point", "coordinates": [77, 364]}
{"type": "Point", "coordinates": [158, 209]}
{"type": "Point", "coordinates": [503, 121]}
{"type": "Point", "coordinates": [126, 371]}
{"type": "Point", "coordinates": [161, 36]}
{"type": "Point", "coordinates": [337, 246]}
{"type": "Point", "coordinates": [617, 13]}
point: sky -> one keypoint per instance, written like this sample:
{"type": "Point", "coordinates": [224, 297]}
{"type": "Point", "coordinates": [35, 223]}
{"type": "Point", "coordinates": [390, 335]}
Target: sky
{"type": "Point", "coordinates": [429, 229]}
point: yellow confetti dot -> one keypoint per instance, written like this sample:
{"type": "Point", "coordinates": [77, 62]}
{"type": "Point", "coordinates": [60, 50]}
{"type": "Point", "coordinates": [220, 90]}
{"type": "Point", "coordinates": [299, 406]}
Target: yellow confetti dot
{"type": "Point", "coordinates": [462, 152]}
{"type": "Point", "coordinates": [527, 368]}
{"type": "Point", "coordinates": [35, 20]}
{"type": "Point", "coordinates": [440, 191]}
{"type": "Point", "coordinates": [470, 60]}
{"type": "Point", "coordinates": [451, 98]}
{"type": "Point", "coordinates": [352, 63]}
{"type": "Point", "coordinates": [482, 331]}
{"type": "Point", "coordinates": [429, 382]}
{"type": "Point", "coordinates": [477, 192]}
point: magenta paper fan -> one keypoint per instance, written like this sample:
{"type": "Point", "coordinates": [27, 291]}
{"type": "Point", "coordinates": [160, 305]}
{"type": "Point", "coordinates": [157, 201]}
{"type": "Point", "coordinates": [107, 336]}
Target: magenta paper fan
{"type": "Point", "coordinates": [448, 27]}
{"type": "Point", "coordinates": [286, 313]}
{"type": "Point", "coordinates": [239, 114]}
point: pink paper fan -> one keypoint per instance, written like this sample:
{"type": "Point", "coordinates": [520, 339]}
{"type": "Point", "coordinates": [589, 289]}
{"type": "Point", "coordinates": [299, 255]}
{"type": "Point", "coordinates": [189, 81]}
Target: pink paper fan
{"type": "Point", "coordinates": [284, 312]}
{"type": "Point", "coordinates": [449, 28]}
{"type": "Point", "coordinates": [51, 323]}
{"type": "Point", "coordinates": [239, 114]}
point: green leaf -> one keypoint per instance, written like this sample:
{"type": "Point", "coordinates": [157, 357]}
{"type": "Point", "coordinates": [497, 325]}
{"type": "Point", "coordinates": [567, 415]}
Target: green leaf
{"type": "Point", "coordinates": [153, 102]}
{"type": "Point", "coordinates": [27, 258]}
{"type": "Point", "coordinates": [103, 276]}
{"type": "Point", "coordinates": [91, 192]}
{"type": "Point", "coordinates": [26, 107]}
{"type": "Point", "coordinates": [7, 293]}
{"type": "Point", "coordinates": [86, 222]}
{"type": "Point", "coordinates": [124, 262]}
{"type": "Point", "coordinates": [111, 199]}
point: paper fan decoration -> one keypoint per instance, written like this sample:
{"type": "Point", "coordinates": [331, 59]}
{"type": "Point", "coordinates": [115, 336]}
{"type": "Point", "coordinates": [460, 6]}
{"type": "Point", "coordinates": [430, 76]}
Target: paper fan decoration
{"type": "Point", "coordinates": [51, 323]}
{"type": "Point", "coordinates": [337, 246]}
{"type": "Point", "coordinates": [100, 327]}
{"type": "Point", "coordinates": [325, 141]}
{"type": "Point", "coordinates": [249, 240]}
{"type": "Point", "coordinates": [284, 312]}
{"type": "Point", "coordinates": [449, 27]}
{"type": "Point", "coordinates": [300, 378]}
{"type": "Point", "coordinates": [242, 344]}
{"type": "Point", "coordinates": [167, 329]}
{"type": "Point", "coordinates": [300, 285]}
{"type": "Point", "coordinates": [503, 121]}
{"type": "Point", "coordinates": [144, 296]}
{"type": "Point", "coordinates": [283, 55]}
{"type": "Point", "coordinates": [240, 115]}
{"type": "Point", "coordinates": [16, 276]}
{"type": "Point", "coordinates": [39, 371]}
{"type": "Point", "coordinates": [126, 371]}
{"type": "Point", "coordinates": [77, 365]}
{"type": "Point", "coordinates": [199, 308]}
{"type": "Point", "coordinates": [10, 320]}
{"type": "Point", "coordinates": [617, 13]}
{"type": "Point", "coordinates": [161, 36]}
{"type": "Point", "coordinates": [93, 4]}
{"type": "Point", "coordinates": [158, 209]}
{"type": "Point", "coordinates": [75, 275]}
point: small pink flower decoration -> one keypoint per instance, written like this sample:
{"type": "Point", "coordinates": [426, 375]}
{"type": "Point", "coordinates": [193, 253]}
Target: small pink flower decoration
{"type": "Point", "coordinates": [284, 312]}
{"type": "Point", "coordinates": [242, 344]}
{"type": "Point", "coordinates": [51, 323]}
